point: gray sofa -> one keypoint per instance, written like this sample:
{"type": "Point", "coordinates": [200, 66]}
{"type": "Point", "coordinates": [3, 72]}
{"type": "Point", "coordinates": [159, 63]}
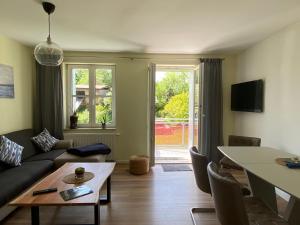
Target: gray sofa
{"type": "Point", "coordinates": [35, 165]}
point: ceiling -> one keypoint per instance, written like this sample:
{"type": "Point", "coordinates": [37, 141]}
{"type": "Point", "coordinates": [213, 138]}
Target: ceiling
{"type": "Point", "coordinates": [152, 26]}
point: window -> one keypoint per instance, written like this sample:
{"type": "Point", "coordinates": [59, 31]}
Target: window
{"type": "Point", "coordinates": [92, 94]}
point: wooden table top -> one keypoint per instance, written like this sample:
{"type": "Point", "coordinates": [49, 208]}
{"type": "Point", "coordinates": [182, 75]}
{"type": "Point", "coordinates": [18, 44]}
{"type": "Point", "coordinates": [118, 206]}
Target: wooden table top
{"type": "Point", "coordinates": [101, 170]}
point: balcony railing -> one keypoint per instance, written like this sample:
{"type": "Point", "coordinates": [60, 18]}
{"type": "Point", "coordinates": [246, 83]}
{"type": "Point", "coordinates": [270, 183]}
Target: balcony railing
{"type": "Point", "coordinates": [173, 132]}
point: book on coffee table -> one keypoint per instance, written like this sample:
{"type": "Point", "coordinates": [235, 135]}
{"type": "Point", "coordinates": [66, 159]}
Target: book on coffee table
{"type": "Point", "coordinates": [75, 192]}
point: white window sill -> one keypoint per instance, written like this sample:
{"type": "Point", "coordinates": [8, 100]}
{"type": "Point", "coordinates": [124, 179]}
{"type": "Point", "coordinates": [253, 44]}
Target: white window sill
{"type": "Point", "coordinates": [87, 129]}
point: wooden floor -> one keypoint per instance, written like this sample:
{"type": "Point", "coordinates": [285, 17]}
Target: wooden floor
{"type": "Point", "coordinates": [158, 198]}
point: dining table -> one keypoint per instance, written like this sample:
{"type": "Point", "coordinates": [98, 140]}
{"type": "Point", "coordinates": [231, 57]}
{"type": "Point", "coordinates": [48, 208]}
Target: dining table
{"type": "Point", "coordinates": [265, 174]}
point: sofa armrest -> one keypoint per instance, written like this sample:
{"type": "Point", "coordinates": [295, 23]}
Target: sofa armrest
{"type": "Point", "coordinates": [63, 144]}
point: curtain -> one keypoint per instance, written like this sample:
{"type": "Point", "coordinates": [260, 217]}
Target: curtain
{"type": "Point", "coordinates": [151, 110]}
{"type": "Point", "coordinates": [48, 110]}
{"type": "Point", "coordinates": [212, 110]}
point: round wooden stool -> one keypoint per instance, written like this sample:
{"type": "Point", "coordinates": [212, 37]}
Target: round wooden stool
{"type": "Point", "coordinates": [139, 164]}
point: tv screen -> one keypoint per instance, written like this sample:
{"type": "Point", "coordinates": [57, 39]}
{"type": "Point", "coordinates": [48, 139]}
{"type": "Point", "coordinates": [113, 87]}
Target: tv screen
{"type": "Point", "coordinates": [247, 96]}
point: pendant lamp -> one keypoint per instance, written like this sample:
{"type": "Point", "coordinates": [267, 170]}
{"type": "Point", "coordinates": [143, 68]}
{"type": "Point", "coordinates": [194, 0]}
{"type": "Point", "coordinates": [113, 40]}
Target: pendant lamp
{"type": "Point", "coordinates": [48, 53]}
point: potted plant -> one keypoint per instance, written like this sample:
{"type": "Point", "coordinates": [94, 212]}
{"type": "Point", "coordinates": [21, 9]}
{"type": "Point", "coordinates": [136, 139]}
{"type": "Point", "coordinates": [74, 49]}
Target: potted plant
{"type": "Point", "coordinates": [104, 115]}
{"type": "Point", "coordinates": [79, 172]}
{"type": "Point", "coordinates": [73, 120]}
{"type": "Point", "coordinates": [103, 120]}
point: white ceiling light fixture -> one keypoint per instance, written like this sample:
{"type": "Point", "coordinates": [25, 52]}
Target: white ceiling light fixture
{"type": "Point", "coordinates": [48, 53]}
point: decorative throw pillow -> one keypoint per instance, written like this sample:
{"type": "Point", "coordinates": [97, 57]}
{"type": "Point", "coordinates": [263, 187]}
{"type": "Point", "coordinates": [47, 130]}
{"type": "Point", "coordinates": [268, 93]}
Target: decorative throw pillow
{"type": "Point", "coordinates": [45, 141]}
{"type": "Point", "coordinates": [10, 152]}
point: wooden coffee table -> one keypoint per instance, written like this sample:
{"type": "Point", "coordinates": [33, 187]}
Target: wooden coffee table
{"type": "Point", "coordinates": [102, 173]}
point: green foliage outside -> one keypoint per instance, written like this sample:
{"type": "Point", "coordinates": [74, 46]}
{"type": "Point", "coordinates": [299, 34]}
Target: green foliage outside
{"type": "Point", "coordinates": [82, 76]}
{"type": "Point", "coordinates": [172, 91]}
{"type": "Point", "coordinates": [178, 106]}
{"type": "Point", "coordinates": [83, 116]}
{"type": "Point", "coordinates": [103, 76]}
{"type": "Point", "coordinates": [103, 111]}
{"type": "Point", "coordinates": [103, 103]}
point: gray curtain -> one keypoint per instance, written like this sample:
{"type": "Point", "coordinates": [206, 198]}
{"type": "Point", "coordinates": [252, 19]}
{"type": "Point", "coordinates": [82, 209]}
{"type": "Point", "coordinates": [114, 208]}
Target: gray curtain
{"type": "Point", "coordinates": [49, 100]}
{"type": "Point", "coordinates": [151, 94]}
{"type": "Point", "coordinates": [212, 110]}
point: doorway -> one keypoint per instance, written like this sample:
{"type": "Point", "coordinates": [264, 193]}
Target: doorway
{"type": "Point", "coordinates": [176, 107]}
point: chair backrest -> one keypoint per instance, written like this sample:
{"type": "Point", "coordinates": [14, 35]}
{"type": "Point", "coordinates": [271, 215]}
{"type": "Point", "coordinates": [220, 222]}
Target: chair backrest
{"type": "Point", "coordinates": [234, 140]}
{"type": "Point", "coordinates": [227, 197]}
{"type": "Point", "coordinates": [200, 163]}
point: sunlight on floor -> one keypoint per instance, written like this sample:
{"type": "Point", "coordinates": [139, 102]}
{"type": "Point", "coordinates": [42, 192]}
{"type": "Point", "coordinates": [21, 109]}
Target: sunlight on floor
{"type": "Point", "coordinates": [169, 154]}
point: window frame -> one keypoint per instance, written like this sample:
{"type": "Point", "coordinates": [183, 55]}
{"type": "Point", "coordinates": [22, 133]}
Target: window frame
{"type": "Point", "coordinates": [92, 93]}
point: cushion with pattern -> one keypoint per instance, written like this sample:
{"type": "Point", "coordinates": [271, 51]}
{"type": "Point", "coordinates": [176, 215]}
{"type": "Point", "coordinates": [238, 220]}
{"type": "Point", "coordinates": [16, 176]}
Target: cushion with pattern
{"type": "Point", "coordinates": [10, 152]}
{"type": "Point", "coordinates": [45, 141]}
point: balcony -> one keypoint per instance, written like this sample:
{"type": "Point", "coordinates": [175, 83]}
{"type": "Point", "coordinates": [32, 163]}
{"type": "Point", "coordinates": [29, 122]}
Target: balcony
{"type": "Point", "coordinates": [173, 138]}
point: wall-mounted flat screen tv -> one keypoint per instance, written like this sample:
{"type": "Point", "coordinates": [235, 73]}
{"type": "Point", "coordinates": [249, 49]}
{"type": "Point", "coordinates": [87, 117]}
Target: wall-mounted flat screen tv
{"type": "Point", "coordinates": [247, 96]}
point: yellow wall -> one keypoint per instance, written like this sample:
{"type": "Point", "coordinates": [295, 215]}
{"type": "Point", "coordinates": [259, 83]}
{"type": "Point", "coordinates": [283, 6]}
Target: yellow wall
{"type": "Point", "coordinates": [276, 60]}
{"type": "Point", "coordinates": [16, 113]}
{"type": "Point", "coordinates": [132, 94]}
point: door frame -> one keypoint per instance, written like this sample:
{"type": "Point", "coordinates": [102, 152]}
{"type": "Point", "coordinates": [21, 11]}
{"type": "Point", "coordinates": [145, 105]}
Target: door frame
{"type": "Point", "coordinates": [151, 112]}
{"type": "Point", "coordinates": [152, 68]}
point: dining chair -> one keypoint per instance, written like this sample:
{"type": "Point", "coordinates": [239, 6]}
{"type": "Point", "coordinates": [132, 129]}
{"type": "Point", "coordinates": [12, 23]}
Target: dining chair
{"type": "Point", "coordinates": [234, 140]}
{"type": "Point", "coordinates": [199, 163]}
{"type": "Point", "coordinates": [232, 208]}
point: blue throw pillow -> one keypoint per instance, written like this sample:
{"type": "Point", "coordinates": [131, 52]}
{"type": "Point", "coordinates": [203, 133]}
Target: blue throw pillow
{"type": "Point", "coordinates": [90, 150]}
{"type": "Point", "coordinates": [10, 152]}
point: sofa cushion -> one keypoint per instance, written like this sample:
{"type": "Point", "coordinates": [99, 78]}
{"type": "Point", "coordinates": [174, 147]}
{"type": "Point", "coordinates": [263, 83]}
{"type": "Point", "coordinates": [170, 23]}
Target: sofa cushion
{"type": "Point", "coordinates": [66, 158]}
{"type": "Point", "coordinates": [23, 138]}
{"type": "Point", "coordinates": [4, 167]}
{"type": "Point", "coordinates": [17, 179]}
{"type": "Point", "coordinates": [52, 155]}
{"type": "Point", "coordinates": [63, 144]}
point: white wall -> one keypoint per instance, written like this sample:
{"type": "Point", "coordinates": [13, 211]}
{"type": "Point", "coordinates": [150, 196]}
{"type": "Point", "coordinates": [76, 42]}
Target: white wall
{"type": "Point", "coordinates": [277, 61]}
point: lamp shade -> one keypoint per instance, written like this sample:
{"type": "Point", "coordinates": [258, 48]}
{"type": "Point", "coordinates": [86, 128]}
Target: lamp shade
{"type": "Point", "coordinates": [48, 53]}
